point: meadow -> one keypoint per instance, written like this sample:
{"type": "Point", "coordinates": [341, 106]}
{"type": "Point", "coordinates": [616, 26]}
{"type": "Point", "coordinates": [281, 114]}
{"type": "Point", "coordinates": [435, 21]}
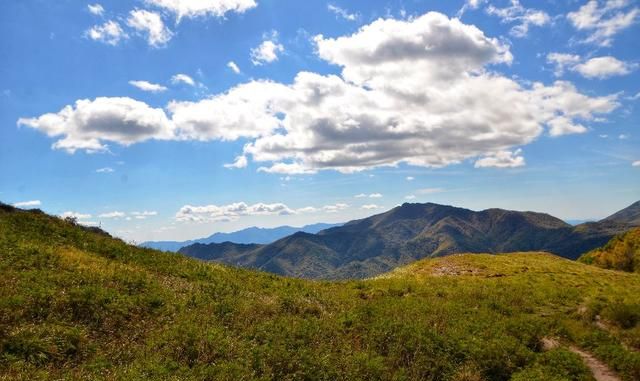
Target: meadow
{"type": "Point", "coordinates": [76, 303]}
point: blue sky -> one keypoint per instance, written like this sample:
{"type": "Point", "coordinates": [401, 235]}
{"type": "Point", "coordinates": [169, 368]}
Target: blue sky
{"type": "Point", "coordinates": [173, 119]}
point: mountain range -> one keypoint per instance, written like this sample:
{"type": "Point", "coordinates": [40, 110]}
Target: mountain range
{"type": "Point", "coordinates": [245, 236]}
{"type": "Point", "coordinates": [371, 246]}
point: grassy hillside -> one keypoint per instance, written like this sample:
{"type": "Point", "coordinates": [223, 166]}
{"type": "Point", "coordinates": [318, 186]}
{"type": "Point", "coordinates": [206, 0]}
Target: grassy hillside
{"type": "Point", "coordinates": [621, 253]}
{"type": "Point", "coordinates": [78, 304]}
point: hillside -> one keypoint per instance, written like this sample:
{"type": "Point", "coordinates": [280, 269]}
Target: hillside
{"type": "Point", "coordinates": [250, 235]}
{"type": "Point", "coordinates": [76, 303]}
{"type": "Point", "coordinates": [621, 253]}
{"type": "Point", "coordinates": [374, 245]}
{"type": "Point", "coordinates": [629, 215]}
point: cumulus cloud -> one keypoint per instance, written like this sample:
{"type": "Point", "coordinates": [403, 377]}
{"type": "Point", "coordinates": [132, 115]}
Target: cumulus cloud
{"type": "Point", "coordinates": [239, 162]}
{"type": "Point", "coordinates": [562, 61]}
{"type": "Point", "coordinates": [88, 124]}
{"type": "Point", "coordinates": [335, 207]}
{"type": "Point", "coordinates": [212, 213]}
{"type": "Point", "coordinates": [342, 13]}
{"type": "Point", "coordinates": [246, 110]}
{"type": "Point", "coordinates": [597, 67]}
{"type": "Point", "coordinates": [636, 163]}
{"type": "Point", "coordinates": [148, 86]}
{"type": "Point", "coordinates": [27, 204]}
{"type": "Point", "coordinates": [604, 67]}
{"type": "Point", "coordinates": [410, 197]}
{"type": "Point", "coordinates": [76, 215]}
{"type": "Point", "coordinates": [200, 8]}
{"type": "Point", "coordinates": [232, 65]}
{"type": "Point", "coordinates": [105, 170]}
{"type": "Point", "coordinates": [516, 13]}
{"type": "Point", "coordinates": [370, 206]}
{"type": "Point", "coordinates": [603, 19]}
{"type": "Point", "coordinates": [95, 9]}
{"type": "Point", "coordinates": [372, 195]}
{"type": "Point", "coordinates": [422, 92]}
{"type": "Point", "coordinates": [267, 51]}
{"type": "Point", "coordinates": [502, 159]}
{"type": "Point", "coordinates": [151, 25]}
{"type": "Point", "coordinates": [410, 178]}
{"type": "Point", "coordinates": [110, 33]}
{"type": "Point", "coordinates": [182, 78]}
{"type": "Point", "coordinates": [114, 214]}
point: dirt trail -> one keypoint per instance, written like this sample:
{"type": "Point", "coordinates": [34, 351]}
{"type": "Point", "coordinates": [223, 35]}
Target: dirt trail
{"type": "Point", "coordinates": [600, 371]}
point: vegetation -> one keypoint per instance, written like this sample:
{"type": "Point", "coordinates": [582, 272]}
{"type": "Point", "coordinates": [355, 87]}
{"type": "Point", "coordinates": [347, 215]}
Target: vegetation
{"type": "Point", "coordinates": [621, 253]}
{"type": "Point", "coordinates": [76, 303]}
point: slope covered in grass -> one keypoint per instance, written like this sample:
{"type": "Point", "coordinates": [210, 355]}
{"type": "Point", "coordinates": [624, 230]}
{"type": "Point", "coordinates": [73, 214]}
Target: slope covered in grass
{"type": "Point", "coordinates": [621, 253]}
{"type": "Point", "coordinates": [78, 304]}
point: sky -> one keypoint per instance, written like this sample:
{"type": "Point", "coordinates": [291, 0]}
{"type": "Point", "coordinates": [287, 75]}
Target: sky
{"type": "Point", "coordinates": [175, 119]}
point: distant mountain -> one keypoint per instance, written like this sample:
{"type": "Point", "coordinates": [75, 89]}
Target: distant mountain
{"type": "Point", "coordinates": [629, 215]}
{"type": "Point", "coordinates": [244, 236]}
{"type": "Point", "coordinates": [373, 245]}
{"type": "Point", "coordinates": [621, 253]}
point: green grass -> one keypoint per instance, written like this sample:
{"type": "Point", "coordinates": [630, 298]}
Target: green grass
{"type": "Point", "coordinates": [76, 304]}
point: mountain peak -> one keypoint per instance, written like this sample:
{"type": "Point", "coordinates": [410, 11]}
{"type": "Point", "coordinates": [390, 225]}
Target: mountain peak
{"type": "Point", "coordinates": [629, 215]}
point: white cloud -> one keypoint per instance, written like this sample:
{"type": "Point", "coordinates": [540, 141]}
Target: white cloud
{"type": "Point", "coordinates": [372, 195]}
{"type": "Point", "coordinates": [143, 215]}
{"type": "Point", "coordinates": [523, 16]}
{"type": "Point", "coordinates": [604, 67]}
{"type": "Point", "coordinates": [211, 213]}
{"type": "Point", "coordinates": [76, 215]}
{"type": "Point", "coordinates": [342, 13]}
{"type": "Point", "coordinates": [603, 19]}
{"type": "Point", "coordinates": [114, 214]}
{"type": "Point", "coordinates": [27, 204]}
{"type": "Point", "coordinates": [148, 86]}
{"type": "Point", "coordinates": [151, 25]}
{"type": "Point", "coordinates": [597, 67]}
{"type": "Point", "coordinates": [430, 190]}
{"type": "Point", "coordinates": [89, 124]}
{"type": "Point", "coordinates": [183, 78]}
{"type": "Point", "coordinates": [370, 206]}
{"type": "Point", "coordinates": [636, 163]}
{"type": "Point", "coordinates": [95, 9]}
{"type": "Point", "coordinates": [561, 61]}
{"type": "Point", "coordinates": [422, 92]}
{"type": "Point", "coordinates": [335, 207]}
{"type": "Point", "coordinates": [199, 8]}
{"type": "Point", "coordinates": [502, 159]}
{"type": "Point", "coordinates": [410, 178]}
{"type": "Point", "coordinates": [105, 170]}
{"type": "Point", "coordinates": [469, 4]}
{"type": "Point", "coordinates": [110, 33]}
{"type": "Point", "coordinates": [232, 65]}
{"type": "Point", "coordinates": [410, 197]}
{"type": "Point", "coordinates": [623, 136]}
{"type": "Point", "coordinates": [244, 111]}
{"type": "Point", "coordinates": [239, 162]}
{"type": "Point", "coordinates": [267, 51]}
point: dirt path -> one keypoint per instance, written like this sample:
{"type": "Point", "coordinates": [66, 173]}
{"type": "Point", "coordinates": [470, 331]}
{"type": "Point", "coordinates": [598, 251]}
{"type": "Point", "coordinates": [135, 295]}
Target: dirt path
{"type": "Point", "coordinates": [600, 371]}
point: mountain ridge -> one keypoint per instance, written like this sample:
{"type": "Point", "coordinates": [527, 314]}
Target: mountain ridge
{"type": "Point", "coordinates": [369, 246]}
{"type": "Point", "coordinates": [250, 235]}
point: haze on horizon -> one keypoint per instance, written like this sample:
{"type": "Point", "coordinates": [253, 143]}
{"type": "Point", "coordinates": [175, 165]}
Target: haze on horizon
{"type": "Point", "coordinates": [173, 120]}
